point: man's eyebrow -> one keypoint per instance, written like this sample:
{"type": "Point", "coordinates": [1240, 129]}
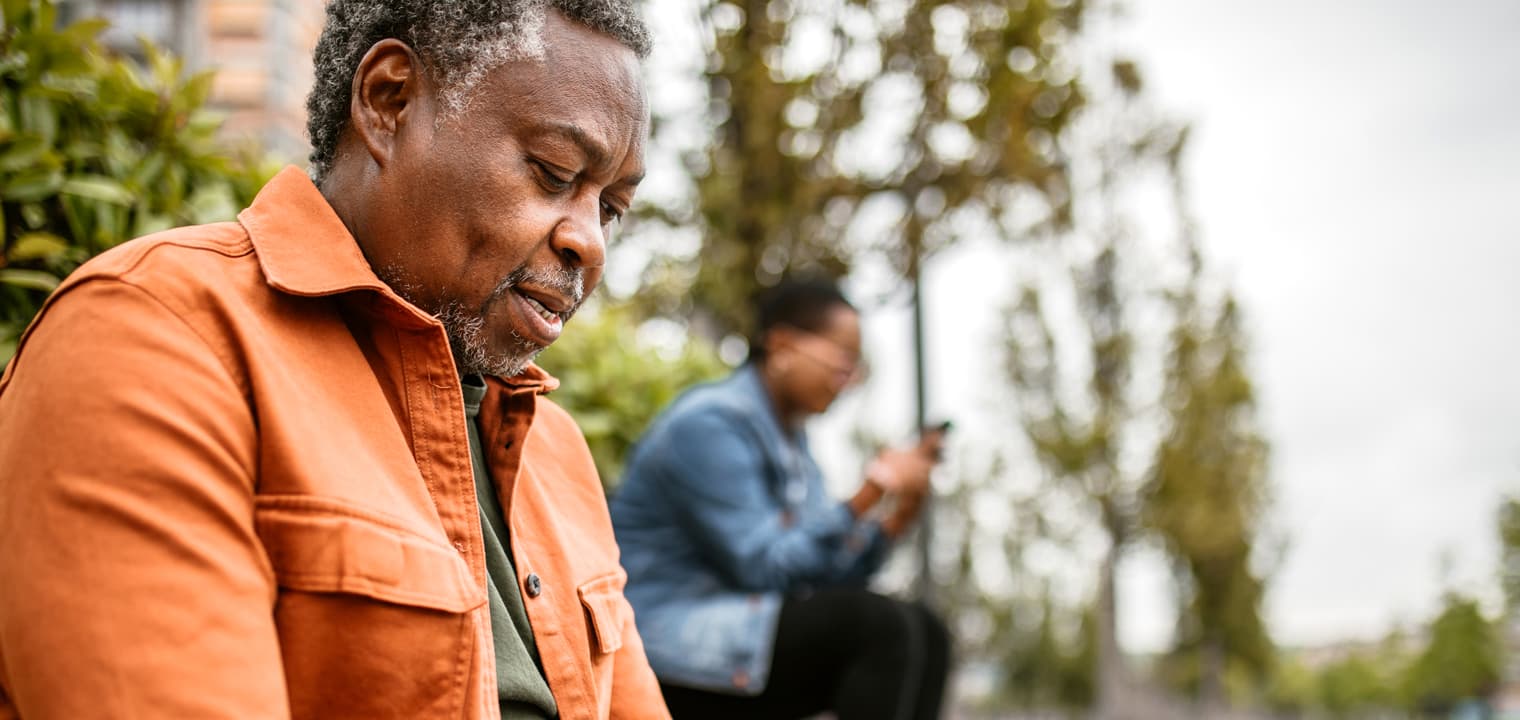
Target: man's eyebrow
{"type": "Point", "coordinates": [596, 152]}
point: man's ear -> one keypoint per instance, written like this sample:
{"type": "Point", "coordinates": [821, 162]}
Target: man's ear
{"type": "Point", "coordinates": [387, 94]}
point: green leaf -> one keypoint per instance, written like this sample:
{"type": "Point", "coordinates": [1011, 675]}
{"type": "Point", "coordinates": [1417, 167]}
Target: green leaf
{"type": "Point", "coordinates": [148, 170]}
{"type": "Point", "coordinates": [82, 150]}
{"type": "Point", "coordinates": [97, 187]}
{"type": "Point", "coordinates": [13, 61]}
{"type": "Point", "coordinates": [32, 186]}
{"type": "Point", "coordinates": [212, 203]}
{"type": "Point", "coordinates": [37, 246]}
{"type": "Point", "coordinates": [121, 154]}
{"type": "Point", "coordinates": [22, 154]}
{"type": "Point", "coordinates": [38, 115]}
{"type": "Point", "coordinates": [33, 214]}
{"type": "Point", "coordinates": [30, 279]}
{"type": "Point", "coordinates": [15, 12]}
{"type": "Point", "coordinates": [84, 32]}
{"type": "Point", "coordinates": [195, 91]}
{"type": "Point", "coordinates": [148, 223]}
{"type": "Point", "coordinates": [110, 225]}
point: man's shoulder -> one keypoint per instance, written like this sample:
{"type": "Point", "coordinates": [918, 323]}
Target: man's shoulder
{"type": "Point", "coordinates": [196, 274]}
{"type": "Point", "coordinates": [172, 261]}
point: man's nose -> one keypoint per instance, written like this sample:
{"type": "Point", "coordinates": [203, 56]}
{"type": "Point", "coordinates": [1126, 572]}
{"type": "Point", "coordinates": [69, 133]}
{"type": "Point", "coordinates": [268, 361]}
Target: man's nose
{"type": "Point", "coordinates": [580, 239]}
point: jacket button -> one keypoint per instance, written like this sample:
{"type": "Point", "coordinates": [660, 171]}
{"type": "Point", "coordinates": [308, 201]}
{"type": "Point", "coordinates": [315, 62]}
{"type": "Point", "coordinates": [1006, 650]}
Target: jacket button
{"type": "Point", "coordinates": [533, 585]}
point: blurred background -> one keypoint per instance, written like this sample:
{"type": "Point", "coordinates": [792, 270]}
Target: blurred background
{"type": "Point", "coordinates": [1217, 295]}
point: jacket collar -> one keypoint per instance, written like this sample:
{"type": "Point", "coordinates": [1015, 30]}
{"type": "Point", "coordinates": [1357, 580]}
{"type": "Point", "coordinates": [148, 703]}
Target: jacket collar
{"type": "Point", "coordinates": [305, 249]}
{"type": "Point", "coordinates": [302, 245]}
{"type": "Point", "coordinates": [532, 378]}
{"type": "Point", "coordinates": [748, 385]}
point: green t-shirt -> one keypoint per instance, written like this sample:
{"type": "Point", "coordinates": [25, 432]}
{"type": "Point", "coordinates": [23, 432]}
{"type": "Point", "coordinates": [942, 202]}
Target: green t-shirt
{"type": "Point", "coordinates": [520, 683]}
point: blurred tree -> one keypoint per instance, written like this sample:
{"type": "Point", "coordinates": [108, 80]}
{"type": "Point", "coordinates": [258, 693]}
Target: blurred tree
{"type": "Point", "coordinates": [1078, 406]}
{"type": "Point", "coordinates": [1509, 575]}
{"type": "Point", "coordinates": [1046, 671]}
{"type": "Point", "coordinates": [1077, 441]}
{"type": "Point", "coordinates": [1206, 497]}
{"type": "Point", "coordinates": [1086, 414]}
{"type": "Point", "coordinates": [1292, 689]}
{"type": "Point", "coordinates": [1363, 681]}
{"type": "Point", "coordinates": [1461, 661]}
{"type": "Point", "coordinates": [1509, 554]}
{"type": "Point", "coordinates": [95, 150]}
{"type": "Point", "coordinates": [614, 383]}
{"type": "Point", "coordinates": [1355, 686]}
{"type": "Point", "coordinates": [932, 112]}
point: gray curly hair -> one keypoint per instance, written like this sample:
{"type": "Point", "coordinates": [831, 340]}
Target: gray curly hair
{"type": "Point", "coordinates": [459, 40]}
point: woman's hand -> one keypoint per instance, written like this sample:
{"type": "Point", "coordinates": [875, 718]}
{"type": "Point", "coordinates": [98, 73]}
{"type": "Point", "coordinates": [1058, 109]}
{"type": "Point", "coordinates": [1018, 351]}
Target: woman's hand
{"type": "Point", "coordinates": [905, 471]}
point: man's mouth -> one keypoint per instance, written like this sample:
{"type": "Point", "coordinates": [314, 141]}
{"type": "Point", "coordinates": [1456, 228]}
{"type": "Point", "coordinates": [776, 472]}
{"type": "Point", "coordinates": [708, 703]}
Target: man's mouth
{"type": "Point", "coordinates": [542, 308]}
{"type": "Point", "coordinates": [542, 314]}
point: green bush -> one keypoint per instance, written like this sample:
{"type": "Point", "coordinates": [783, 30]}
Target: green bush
{"type": "Point", "coordinates": [95, 150]}
{"type": "Point", "coordinates": [614, 384]}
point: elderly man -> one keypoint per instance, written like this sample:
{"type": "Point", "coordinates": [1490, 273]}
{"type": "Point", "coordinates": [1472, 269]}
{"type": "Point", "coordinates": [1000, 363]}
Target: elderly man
{"type": "Point", "coordinates": [301, 464]}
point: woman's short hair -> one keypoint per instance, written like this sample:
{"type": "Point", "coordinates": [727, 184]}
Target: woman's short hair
{"type": "Point", "coordinates": [802, 303]}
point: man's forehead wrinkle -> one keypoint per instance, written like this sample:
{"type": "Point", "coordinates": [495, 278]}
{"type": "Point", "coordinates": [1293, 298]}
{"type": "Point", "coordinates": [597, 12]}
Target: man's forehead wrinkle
{"type": "Point", "coordinates": [596, 151]}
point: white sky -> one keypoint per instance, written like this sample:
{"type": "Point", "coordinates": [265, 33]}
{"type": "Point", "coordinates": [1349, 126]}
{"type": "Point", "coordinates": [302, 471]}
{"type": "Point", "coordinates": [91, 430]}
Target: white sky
{"type": "Point", "coordinates": [1355, 170]}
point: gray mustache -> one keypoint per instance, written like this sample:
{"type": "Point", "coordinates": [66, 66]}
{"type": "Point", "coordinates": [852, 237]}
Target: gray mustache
{"type": "Point", "coordinates": [570, 282]}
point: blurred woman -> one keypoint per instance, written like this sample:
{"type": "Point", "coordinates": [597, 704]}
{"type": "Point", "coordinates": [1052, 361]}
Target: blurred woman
{"type": "Point", "coordinates": [746, 578]}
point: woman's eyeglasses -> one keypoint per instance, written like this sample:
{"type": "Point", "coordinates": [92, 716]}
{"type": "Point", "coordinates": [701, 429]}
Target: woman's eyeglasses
{"type": "Point", "coordinates": [849, 367]}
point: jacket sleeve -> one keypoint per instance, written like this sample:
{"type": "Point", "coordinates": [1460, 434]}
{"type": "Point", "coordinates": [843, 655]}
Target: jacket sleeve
{"type": "Point", "coordinates": [635, 691]}
{"type": "Point", "coordinates": [716, 481]}
{"type": "Point", "coordinates": [131, 579]}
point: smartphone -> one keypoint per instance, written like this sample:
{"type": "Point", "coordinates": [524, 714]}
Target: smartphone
{"type": "Point", "coordinates": [941, 429]}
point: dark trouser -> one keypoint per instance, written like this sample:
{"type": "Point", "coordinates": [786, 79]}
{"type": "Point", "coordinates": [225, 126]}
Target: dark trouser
{"type": "Point", "coordinates": [853, 652]}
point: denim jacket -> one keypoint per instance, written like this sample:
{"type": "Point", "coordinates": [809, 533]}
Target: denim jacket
{"type": "Point", "coordinates": [721, 513]}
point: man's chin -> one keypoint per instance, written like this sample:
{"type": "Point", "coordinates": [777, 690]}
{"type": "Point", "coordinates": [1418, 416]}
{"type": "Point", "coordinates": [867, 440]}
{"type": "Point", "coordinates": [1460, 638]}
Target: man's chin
{"type": "Point", "coordinates": [477, 359]}
{"type": "Point", "coordinates": [499, 365]}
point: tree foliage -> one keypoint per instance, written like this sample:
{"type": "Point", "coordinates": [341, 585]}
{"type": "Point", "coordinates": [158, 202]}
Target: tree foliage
{"type": "Point", "coordinates": [95, 150]}
{"type": "Point", "coordinates": [1462, 660]}
{"type": "Point", "coordinates": [1074, 382]}
{"type": "Point", "coordinates": [1509, 554]}
{"type": "Point", "coordinates": [1456, 659]}
{"type": "Point", "coordinates": [1084, 343]}
{"type": "Point", "coordinates": [1045, 670]}
{"type": "Point", "coordinates": [824, 113]}
{"type": "Point", "coordinates": [1206, 498]}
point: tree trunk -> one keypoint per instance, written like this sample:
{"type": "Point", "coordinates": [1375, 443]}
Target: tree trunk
{"type": "Point", "coordinates": [1112, 675]}
{"type": "Point", "coordinates": [1211, 695]}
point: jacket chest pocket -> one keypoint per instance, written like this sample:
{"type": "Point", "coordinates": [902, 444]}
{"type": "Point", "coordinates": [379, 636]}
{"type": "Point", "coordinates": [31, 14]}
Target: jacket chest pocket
{"type": "Point", "coordinates": [606, 611]}
{"type": "Point", "coordinates": [373, 618]}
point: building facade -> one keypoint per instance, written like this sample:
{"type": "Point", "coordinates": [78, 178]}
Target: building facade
{"type": "Point", "coordinates": [260, 49]}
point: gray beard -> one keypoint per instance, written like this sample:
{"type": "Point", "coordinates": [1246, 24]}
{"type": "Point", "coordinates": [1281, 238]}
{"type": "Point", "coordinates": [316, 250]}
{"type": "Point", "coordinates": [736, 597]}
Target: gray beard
{"type": "Point", "coordinates": [466, 330]}
{"type": "Point", "coordinates": [472, 356]}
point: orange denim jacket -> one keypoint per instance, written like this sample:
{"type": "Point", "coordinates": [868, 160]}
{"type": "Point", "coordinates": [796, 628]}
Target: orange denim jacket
{"type": "Point", "coordinates": [235, 483]}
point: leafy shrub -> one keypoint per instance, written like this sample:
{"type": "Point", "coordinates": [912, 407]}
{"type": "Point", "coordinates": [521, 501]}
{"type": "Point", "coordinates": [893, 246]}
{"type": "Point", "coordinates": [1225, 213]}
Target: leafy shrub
{"type": "Point", "coordinates": [614, 383]}
{"type": "Point", "coordinates": [95, 150]}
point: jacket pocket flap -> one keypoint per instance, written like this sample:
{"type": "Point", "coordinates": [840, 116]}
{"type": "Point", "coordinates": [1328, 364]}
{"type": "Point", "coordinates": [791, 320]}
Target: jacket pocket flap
{"type": "Point", "coordinates": [326, 545]}
{"type": "Point", "coordinates": [608, 609]}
